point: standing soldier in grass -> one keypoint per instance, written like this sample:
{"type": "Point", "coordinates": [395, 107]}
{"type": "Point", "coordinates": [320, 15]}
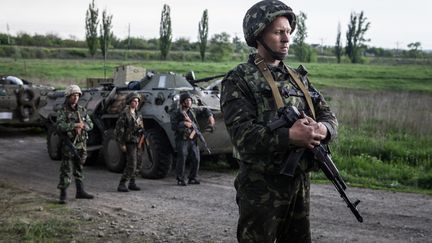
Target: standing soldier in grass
{"type": "Point", "coordinates": [74, 123]}
{"type": "Point", "coordinates": [182, 121]}
{"type": "Point", "coordinates": [273, 207]}
{"type": "Point", "coordinates": [128, 130]}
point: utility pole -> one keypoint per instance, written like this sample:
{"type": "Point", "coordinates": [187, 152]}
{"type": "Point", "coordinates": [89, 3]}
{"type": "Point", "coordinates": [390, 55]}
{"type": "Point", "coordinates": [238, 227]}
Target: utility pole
{"type": "Point", "coordinates": [397, 48]}
{"type": "Point", "coordinates": [8, 35]}
{"type": "Point", "coordinates": [128, 43]}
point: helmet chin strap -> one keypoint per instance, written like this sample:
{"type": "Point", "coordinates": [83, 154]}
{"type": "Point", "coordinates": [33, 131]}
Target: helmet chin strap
{"type": "Point", "coordinates": [276, 55]}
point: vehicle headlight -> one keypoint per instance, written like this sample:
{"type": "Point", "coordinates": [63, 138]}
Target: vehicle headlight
{"type": "Point", "coordinates": [176, 98]}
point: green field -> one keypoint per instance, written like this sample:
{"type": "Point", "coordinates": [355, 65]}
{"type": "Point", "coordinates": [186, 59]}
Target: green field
{"type": "Point", "coordinates": [384, 111]}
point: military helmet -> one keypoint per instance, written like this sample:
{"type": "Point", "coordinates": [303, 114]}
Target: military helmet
{"type": "Point", "coordinates": [132, 96]}
{"type": "Point", "coordinates": [262, 14]}
{"type": "Point", "coordinates": [184, 96]}
{"type": "Point", "coordinates": [73, 89]}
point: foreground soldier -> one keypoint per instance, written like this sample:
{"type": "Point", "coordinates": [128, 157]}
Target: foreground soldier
{"type": "Point", "coordinates": [272, 207]}
{"type": "Point", "coordinates": [182, 122]}
{"type": "Point", "coordinates": [128, 130]}
{"type": "Point", "coordinates": [73, 123]}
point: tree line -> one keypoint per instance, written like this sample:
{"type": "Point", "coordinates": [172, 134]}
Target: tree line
{"type": "Point", "coordinates": [220, 47]}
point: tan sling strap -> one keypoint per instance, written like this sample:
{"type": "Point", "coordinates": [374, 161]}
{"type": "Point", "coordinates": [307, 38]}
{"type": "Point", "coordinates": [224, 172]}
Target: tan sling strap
{"type": "Point", "coordinates": [259, 61]}
{"type": "Point", "coordinates": [303, 89]}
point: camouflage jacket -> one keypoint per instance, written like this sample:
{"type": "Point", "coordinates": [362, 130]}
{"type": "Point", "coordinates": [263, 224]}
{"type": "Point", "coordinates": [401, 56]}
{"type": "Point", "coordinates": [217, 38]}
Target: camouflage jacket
{"type": "Point", "coordinates": [66, 119]}
{"type": "Point", "coordinates": [177, 121]}
{"type": "Point", "coordinates": [128, 127]}
{"type": "Point", "coordinates": [247, 104]}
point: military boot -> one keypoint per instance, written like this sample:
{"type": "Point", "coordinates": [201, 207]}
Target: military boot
{"type": "Point", "coordinates": [132, 186]}
{"type": "Point", "coordinates": [62, 196]}
{"type": "Point", "coordinates": [122, 186]}
{"type": "Point", "coordinates": [80, 193]}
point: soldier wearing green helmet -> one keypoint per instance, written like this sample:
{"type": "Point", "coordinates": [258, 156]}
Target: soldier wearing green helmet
{"type": "Point", "coordinates": [273, 206]}
{"type": "Point", "coordinates": [128, 130]}
{"type": "Point", "coordinates": [73, 123]}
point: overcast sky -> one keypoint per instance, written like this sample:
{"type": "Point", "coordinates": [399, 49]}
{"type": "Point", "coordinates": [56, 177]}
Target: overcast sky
{"type": "Point", "coordinates": [394, 23]}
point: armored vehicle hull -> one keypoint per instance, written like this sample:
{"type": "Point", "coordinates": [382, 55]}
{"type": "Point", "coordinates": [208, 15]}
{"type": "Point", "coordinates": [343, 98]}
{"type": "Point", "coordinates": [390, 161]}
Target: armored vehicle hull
{"type": "Point", "coordinates": [160, 96]}
{"type": "Point", "coordinates": [19, 101]}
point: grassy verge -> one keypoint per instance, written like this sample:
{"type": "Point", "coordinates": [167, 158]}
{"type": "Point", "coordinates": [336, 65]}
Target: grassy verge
{"type": "Point", "coordinates": [28, 217]}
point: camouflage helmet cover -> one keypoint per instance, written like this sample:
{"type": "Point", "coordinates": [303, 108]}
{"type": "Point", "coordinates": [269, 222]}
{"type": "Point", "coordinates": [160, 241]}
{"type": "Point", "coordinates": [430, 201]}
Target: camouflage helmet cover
{"type": "Point", "coordinates": [262, 14]}
{"type": "Point", "coordinates": [184, 96]}
{"type": "Point", "coordinates": [73, 89]}
{"type": "Point", "coordinates": [132, 96]}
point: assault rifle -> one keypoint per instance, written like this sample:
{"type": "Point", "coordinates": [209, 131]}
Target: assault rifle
{"type": "Point", "coordinates": [286, 118]}
{"type": "Point", "coordinates": [66, 140]}
{"type": "Point", "coordinates": [197, 132]}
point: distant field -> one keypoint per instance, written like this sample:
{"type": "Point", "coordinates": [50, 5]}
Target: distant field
{"type": "Point", "coordinates": [352, 76]}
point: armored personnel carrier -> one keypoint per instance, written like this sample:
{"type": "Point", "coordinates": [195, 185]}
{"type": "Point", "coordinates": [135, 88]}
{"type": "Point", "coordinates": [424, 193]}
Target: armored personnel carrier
{"type": "Point", "coordinates": [19, 101]}
{"type": "Point", "coordinates": [160, 94]}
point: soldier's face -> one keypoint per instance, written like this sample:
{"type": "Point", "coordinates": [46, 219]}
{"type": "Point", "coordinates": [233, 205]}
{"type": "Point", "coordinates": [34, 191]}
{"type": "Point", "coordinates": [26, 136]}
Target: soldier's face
{"type": "Point", "coordinates": [134, 103]}
{"type": "Point", "coordinates": [73, 99]}
{"type": "Point", "coordinates": [187, 103]}
{"type": "Point", "coordinates": [277, 35]}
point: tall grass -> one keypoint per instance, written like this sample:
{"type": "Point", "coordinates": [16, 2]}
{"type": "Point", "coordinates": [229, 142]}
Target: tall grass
{"type": "Point", "coordinates": [384, 138]}
{"type": "Point", "coordinates": [384, 111]}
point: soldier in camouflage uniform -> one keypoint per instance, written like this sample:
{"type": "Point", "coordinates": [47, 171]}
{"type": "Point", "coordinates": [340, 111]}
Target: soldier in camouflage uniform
{"type": "Point", "coordinates": [186, 141]}
{"type": "Point", "coordinates": [272, 207]}
{"type": "Point", "coordinates": [128, 130]}
{"type": "Point", "coordinates": [74, 122]}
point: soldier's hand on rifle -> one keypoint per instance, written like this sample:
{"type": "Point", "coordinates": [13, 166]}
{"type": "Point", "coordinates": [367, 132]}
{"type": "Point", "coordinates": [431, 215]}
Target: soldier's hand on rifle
{"type": "Point", "coordinates": [187, 119]}
{"type": "Point", "coordinates": [211, 121]}
{"type": "Point", "coordinates": [188, 124]}
{"type": "Point", "coordinates": [303, 134]}
{"type": "Point", "coordinates": [79, 127]}
{"type": "Point", "coordinates": [318, 127]}
{"type": "Point", "coordinates": [123, 148]}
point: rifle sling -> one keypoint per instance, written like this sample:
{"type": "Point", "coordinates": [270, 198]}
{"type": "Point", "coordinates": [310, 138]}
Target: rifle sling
{"type": "Point", "coordinates": [259, 61]}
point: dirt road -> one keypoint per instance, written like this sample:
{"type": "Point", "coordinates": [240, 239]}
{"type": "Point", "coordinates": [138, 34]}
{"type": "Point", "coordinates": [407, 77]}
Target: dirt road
{"type": "Point", "coordinates": [164, 212]}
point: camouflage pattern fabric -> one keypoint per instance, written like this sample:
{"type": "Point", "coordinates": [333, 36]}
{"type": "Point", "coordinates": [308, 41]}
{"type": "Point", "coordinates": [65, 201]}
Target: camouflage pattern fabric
{"type": "Point", "coordinates": [66, 119]}
{"type": "Point", "coordinates": [127, 132]}
{"type": "Point", "coordinates": [248, 105]}
{"type": "Point", "coordinates": [262, 14]}
{"type": "Point", "coordinates": [272, 207]}
{"type": "Point", "coordinates": [128, 126]}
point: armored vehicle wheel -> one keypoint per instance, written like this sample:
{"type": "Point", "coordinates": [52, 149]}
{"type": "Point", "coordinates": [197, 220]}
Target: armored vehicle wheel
{"type": "Point", "coordinates": [113, 157]}
{"type": "Point", "coordinates": [53, 144]}
{"type": "Point", "coordinates": [157, 155]}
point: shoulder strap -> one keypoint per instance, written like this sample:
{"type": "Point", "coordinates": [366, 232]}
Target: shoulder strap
{"type": "Point", "coordinates": [303, 89]}
{"type": "Point", "coordinates": [259, 61]}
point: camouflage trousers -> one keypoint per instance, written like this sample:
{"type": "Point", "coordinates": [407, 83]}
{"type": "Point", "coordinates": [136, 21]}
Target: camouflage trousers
{"type": "Point", "coordinates": [133, 164]}
{"type": "Point", "coordinates": [272, 208]}
{"type": "Point", "coordinates": [65, 167]}
{"type": "Point", "coordinates": [187, 149]}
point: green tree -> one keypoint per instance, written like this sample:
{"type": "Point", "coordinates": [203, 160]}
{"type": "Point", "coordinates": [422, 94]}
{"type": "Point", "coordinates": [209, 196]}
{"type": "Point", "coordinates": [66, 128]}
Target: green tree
{"type": "Point", "coordinates": [221, 47]}
{"type": "Point", "coordinates": [302, 51]}
{"type": "Point", "coordinates": [357, 28]}
{"type": "Point", "coordinates": [338, 46]}
{"type": "Point", "coordinates": [414, 49]}
{"type": "Point", "coordinates": [203, 34]}
{"type": "Point", "coordinates": [106, 33]}
{"type": "Point", "coordinates": [91, 23]}
{"type": "Point", "coordinates": [165, 32]}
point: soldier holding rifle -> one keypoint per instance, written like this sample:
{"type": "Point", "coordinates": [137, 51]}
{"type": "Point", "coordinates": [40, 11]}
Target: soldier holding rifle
{"type": "Point", "coordinates": [273, 207]}
{"type": "Point", "coordinates": [184, 123]}
{"type": "Point", "coordinates": [129, 133]}
{"type": "Point", "coordinates": [73, 123]}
